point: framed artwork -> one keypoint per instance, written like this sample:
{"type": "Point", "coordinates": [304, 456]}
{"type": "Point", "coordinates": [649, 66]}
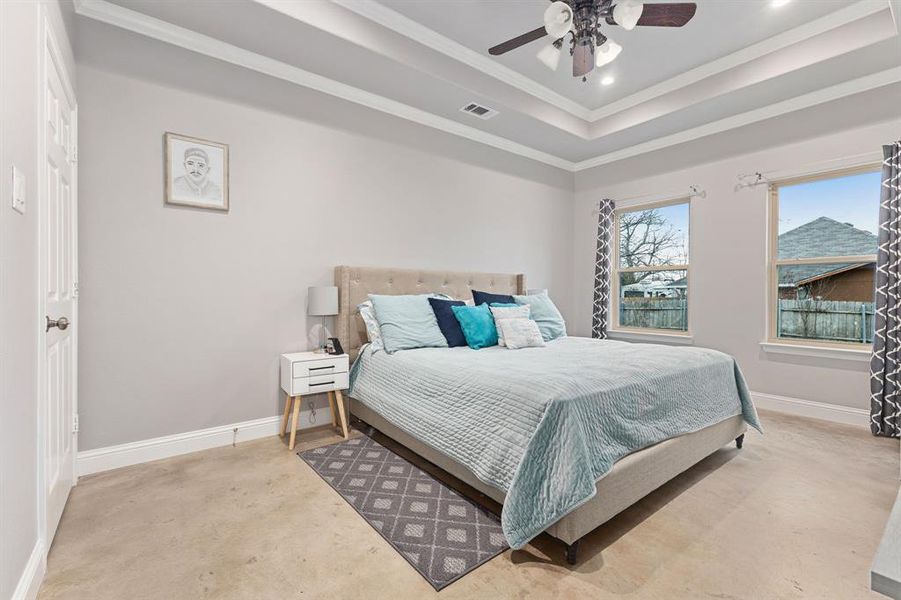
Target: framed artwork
{"type": "Point", "coordinates": [196, 172]}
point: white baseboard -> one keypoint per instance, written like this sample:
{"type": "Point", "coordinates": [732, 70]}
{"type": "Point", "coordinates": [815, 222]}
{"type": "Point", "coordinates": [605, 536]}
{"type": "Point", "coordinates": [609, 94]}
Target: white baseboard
{"type": "Point", "coordinates": [814, 410]}
{"type": "Point", "coordinates": [133, 453]}
{"type": "Point", "coordinates": [32, 574]}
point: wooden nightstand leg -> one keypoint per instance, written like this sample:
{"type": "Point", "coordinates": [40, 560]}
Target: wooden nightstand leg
{"type": "Point", "coordinates": [284, 428]}
{"type": "Point", "coordinates": [340, 399]}
{"type": "Point", "coordinates": [331, 405]}
{"type": "Point", "coordinates": [297, 403]}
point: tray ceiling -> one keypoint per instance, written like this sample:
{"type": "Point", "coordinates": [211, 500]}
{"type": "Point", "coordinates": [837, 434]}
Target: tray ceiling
{"type": "Point", "coordinates": [650, 54]}
{"type": "Point", "coordinates": [735, 63]}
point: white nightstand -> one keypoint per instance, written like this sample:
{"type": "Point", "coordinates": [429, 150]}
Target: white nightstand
{"type": "Point", "coordinates": [305, 373]}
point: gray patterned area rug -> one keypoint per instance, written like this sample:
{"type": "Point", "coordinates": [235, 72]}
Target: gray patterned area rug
{"type": "Point", "coordinates": [441, 533]}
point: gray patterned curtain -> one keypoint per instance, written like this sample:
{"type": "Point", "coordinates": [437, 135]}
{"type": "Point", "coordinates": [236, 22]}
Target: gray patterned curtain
{"type": "Point", "coordinates": [885, 399]}
{"type": "Point", "coordinates": [602, 270]}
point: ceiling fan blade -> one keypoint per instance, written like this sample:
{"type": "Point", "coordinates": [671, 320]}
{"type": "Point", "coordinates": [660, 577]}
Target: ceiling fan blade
{"type": "Point", "coordinates": [667, 15]}
{"type": "Point", "coordinates": [520, 40]}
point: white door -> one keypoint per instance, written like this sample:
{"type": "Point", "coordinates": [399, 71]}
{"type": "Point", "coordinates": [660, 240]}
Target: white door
{"type": "Point", "coordinates": [58, 265]}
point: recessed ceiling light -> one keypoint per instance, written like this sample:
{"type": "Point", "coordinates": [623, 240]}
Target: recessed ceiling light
{"type": "Point", "coordinates": [778, 3]}
{"type": "Point", "coordinates": [607, 80]}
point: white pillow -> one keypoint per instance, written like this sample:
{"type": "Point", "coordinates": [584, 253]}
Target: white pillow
{"type": "Point", "coordinates": [520, 333]}
{"type": "Point", "coordinates": [373, 331]}
{"type": "Point", "coordinates": [502, 313]}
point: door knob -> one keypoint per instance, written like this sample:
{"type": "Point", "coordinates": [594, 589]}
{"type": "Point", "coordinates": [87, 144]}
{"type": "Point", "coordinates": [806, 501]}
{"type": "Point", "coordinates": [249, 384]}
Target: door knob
{"type": "Point", "coordinates": [62, 323]}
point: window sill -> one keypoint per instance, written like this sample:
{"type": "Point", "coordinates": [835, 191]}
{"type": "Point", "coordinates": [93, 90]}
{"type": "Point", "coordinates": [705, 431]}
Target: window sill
{"type": "Point", "coordinates": [853, 354]}
{"type": "Point", "coordinates": [650, 336]}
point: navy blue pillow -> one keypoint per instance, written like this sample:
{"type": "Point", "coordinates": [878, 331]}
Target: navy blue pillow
{"type": "Point", "coordinates": [447, 322]}
{"type": "Point", "coordinates": [487, 298]}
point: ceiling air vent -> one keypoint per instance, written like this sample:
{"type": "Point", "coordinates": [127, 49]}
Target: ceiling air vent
{"type": "Point", "coordinates": [477, 110]}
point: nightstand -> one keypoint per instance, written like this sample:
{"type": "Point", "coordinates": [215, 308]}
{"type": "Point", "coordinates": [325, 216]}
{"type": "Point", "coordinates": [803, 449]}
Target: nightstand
{"type": "Point", "coordinates": [304, 373]}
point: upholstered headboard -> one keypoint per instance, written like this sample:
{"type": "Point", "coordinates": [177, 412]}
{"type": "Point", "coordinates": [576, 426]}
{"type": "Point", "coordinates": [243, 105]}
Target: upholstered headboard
{"type": "Point", "coordinates": [355, 283]}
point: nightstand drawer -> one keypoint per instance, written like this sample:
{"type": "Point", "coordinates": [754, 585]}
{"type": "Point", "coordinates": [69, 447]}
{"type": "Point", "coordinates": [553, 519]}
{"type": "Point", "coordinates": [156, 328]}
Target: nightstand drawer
{"type": "Point", "coordinates": [315, 368]}
{"type": "Point", "coordinates": [302, 386]}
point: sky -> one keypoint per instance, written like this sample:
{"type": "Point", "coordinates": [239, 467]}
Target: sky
{"type": "Point", "coordinates": [851, 199]}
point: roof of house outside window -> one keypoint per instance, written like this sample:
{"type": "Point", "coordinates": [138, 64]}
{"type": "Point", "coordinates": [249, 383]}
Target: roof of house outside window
{"type": "Point", "coordinates": [821, 237]}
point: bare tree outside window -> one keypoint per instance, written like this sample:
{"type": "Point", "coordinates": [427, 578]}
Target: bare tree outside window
{"type": "Point", "coordinates": [652, 264]}
{"type": "Point", "coordinates": [647, 239]}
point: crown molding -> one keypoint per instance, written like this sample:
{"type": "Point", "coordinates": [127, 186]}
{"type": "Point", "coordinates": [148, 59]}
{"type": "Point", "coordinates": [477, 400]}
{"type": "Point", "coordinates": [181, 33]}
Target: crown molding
{"type": "Point", "coordinates": [142, 24]}
{"type": "Point", "coordinates": [835, 92]}
{"type": "Point", "coordinates": [896, 14]}
{"type": "Point", "coordinates": [125, 18]}
{"type": "Point", "coordinates": [395, 21]}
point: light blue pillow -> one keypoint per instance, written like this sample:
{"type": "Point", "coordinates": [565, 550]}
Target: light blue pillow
{"type": "Point", "coordinates": [550, 321]}
{"type": "Point", "coordinates": [407, 322]}
{"type": "Point", "coordinates": [477, 325]}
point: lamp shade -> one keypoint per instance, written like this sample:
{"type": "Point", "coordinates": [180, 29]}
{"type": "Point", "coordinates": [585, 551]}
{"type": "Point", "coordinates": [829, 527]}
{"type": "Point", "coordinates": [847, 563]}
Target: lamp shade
{"type": "Point", "coordinates": [322, 300]}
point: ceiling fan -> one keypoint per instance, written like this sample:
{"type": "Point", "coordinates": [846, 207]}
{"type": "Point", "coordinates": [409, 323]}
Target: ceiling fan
{"type": "Point", "coordinates": [582, 19]}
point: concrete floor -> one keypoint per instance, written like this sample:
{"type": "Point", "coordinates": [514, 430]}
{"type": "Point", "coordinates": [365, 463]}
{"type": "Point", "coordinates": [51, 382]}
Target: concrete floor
{"type": "Point", "coordinates": [797, 513]}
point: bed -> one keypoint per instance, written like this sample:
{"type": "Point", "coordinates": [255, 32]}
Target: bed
{"type": "Point", "coordinates": [563, 443]}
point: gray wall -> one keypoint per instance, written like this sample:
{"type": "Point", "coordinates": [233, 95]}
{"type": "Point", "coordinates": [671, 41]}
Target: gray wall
{"type": "Point", "coordinates": [184, 312]}
{"type": "Point", "coordinates": [728, 256]}
{"type": "Point", "coordinates": [19, 318]}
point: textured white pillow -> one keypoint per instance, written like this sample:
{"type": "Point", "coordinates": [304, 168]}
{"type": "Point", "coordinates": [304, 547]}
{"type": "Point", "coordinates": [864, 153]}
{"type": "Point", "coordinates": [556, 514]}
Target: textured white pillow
{"type": "Point", "coordinates": [502, 313]}
{"type": "Point", "coordinates": [520, 333]}
{"type": "Point", "coordinates": [373, 332]}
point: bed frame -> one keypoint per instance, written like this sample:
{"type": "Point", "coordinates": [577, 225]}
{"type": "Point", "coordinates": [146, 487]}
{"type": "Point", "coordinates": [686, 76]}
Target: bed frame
{"type": "Point", "coordinates": [631, 478]}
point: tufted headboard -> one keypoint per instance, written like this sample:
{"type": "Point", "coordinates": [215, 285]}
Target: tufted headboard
{"type": "Point", "coordinates": [355, 283]}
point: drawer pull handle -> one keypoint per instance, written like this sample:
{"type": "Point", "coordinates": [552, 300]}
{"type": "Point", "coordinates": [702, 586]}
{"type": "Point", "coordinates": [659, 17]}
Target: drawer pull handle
{"type": "Point", "coordinates": [322, 368]}
{"type": "Point", "coordinates": [323, 383]}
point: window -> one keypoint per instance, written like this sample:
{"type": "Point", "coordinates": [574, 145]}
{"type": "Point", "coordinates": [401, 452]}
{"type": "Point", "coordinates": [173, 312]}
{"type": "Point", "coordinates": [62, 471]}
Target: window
{"type": "Point", "coordinates": [650, 278]}
{"type": "Point", "coordinates": [823, 238]}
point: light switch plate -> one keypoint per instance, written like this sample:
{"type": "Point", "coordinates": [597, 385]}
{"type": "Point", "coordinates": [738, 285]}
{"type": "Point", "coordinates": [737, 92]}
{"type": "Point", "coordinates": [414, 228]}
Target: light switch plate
{"type": "Point", "coordinates": [18, 191]}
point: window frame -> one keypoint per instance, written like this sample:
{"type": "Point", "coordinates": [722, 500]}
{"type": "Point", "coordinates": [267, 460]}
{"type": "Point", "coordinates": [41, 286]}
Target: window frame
{"type": "Point", "coordinates": [773, 262]}
{"type": "Point", "coordinates": [615, 270]}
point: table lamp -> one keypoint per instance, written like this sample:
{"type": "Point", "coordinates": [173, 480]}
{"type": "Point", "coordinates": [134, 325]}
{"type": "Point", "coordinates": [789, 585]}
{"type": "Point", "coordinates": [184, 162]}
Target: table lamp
{"type": "Point", "coordinates": [322, 301]}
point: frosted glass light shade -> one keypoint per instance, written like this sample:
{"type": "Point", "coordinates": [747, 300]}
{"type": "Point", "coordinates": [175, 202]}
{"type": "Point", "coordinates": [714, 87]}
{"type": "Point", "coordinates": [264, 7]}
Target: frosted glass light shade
{"type": "Point", "coordinates": [627, 13]}
{"type": "Point", "coordinates": [322, 301]}
{"type": "Point", "coordinates": [549, 56]}
{"type": "Point", "coordinates": [558, 19]}
{"type": "Point", "coordinates": [606, 52]}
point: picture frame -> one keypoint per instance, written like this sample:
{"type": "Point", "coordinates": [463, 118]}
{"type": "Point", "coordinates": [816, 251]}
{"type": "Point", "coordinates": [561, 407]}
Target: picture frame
{"type": "Point", "coordinates": [196, 172]}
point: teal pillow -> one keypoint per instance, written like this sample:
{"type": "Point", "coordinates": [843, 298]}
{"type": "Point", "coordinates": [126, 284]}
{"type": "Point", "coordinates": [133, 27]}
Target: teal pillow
{"type": "Point", "coordinates": [550, 321]}
{"type": "Point", "coordinates": [407, 322]}
{"type": "Point", "coordinates": [477, 325]}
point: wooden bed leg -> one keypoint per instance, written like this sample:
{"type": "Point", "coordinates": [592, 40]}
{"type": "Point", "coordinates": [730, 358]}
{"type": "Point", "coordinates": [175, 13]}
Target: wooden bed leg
{"type": "Point", "coordinates": [739, 441]}
{"type": "Point", "coordinates": [572, 552]}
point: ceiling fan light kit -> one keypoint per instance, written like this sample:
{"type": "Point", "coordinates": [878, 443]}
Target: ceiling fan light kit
{"type": "Point", "coordinates": [581, 21]}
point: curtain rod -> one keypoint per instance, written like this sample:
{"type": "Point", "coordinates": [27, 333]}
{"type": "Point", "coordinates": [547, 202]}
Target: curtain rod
{"type": "Point", "coordinates": [749, 180]}
{"type": "Point", "coordinates": [693, 191]}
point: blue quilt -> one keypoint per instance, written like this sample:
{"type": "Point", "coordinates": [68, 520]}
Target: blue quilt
{"type": "Point", "coordinates": [544, 424]}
